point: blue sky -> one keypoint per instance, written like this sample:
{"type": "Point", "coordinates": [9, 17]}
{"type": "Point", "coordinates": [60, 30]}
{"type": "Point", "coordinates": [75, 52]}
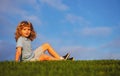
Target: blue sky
{"type": "Point", "coordinates": [89, 29]}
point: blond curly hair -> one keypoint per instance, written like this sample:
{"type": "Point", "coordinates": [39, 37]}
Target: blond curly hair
{"type": "Point", "coordinates": [20, 27]}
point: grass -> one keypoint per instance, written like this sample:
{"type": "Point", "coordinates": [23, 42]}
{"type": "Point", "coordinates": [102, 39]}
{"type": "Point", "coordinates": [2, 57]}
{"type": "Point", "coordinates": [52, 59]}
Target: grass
{"type": "Point", "coordinates": [61, 68]}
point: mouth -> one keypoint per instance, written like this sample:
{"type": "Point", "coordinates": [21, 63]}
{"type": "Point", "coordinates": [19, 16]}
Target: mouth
{"type": "Point", "coordinates": [27, 34]}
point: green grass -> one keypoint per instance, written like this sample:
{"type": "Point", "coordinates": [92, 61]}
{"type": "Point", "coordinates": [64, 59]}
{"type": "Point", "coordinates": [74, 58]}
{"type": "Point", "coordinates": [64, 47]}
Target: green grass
{"type": "Point", "coordinates": [61, 68]}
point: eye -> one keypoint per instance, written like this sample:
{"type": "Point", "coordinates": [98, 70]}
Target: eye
{"type": "Point", "coordinates": [24, 29]}
{"type": "Point", "coordinates": [29, 29]}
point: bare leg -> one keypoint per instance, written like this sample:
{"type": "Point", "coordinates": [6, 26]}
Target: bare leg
{"type": "Point", "coordinates": [47, 47]}
{"type": "Point", "coordinates": [44, 57]}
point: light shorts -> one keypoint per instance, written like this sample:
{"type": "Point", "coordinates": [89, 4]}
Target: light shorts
{"type": "Point", "coordinates": [37, 53]}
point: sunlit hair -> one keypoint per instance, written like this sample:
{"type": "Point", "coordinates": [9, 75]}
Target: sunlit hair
{"type": "Point", "coordinates": [20, 27]}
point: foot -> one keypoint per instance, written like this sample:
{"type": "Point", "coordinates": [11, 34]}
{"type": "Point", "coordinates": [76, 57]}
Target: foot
{"type": "Point", "coordinates": [66, 56]}
{"type": "Point", "coordinates": [70, 58]}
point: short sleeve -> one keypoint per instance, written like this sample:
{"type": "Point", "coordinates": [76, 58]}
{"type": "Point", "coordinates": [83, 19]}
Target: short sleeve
{"type": "Point", "coordinates": [19, 42]}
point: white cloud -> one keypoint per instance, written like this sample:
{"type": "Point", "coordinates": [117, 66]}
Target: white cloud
{"type": "Point", "coordinates": [96, 31]}
{"type": "Point", "coordinates": [33, 18]}
{"type": "Point", "coordinates": [78, 48]}
{"type": "Point", "coordinates": [100, 52]}
{"type": "Point", "coordinates": [56, 4]}
{"type": "Point", "coordinates": [13, 5]}
{"type": "Point", "coordinates": [115, 44]}
{"type": "Point", "coordinates": [9, 6]}
{"type": "Point", "coordinates": [80, 52]}
{"type": "Point", "coordinates": [16, 8]}
{"type": "Point", "coordinates": [74, 19]}
{"type": "Point", "coordinates": [34, 4]}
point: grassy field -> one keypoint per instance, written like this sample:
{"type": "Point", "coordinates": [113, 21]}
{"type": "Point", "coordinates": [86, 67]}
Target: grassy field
{"type": "Point", "coordinates": [61, 68]}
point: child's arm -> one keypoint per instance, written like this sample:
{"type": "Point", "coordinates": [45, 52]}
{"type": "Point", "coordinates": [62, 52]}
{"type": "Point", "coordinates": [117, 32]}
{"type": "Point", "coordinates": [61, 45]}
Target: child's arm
{"type": "Point", "coordinates": [18, 54]}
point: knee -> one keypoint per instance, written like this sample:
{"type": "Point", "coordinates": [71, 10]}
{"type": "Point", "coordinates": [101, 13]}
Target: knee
{"type": "Point", "coordinates": [46, 44]}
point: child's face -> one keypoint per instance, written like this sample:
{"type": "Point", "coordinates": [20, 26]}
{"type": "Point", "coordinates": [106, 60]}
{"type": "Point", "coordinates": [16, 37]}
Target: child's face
{"type": "Point", "coordinates": [26, 31]}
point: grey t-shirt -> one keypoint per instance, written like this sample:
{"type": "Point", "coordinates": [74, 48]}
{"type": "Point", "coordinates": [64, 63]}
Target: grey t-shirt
{"type": "Point", "coordinates": [25, 43]}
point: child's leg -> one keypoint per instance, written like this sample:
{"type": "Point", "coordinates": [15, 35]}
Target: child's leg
{"type": "Point", "coordinates": [47, 57]}
{"type": "Point", "coordinates": [50, 50]}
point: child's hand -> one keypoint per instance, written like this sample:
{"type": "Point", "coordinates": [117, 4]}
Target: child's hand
{"type": "Point", "coordinates": [18, 54]}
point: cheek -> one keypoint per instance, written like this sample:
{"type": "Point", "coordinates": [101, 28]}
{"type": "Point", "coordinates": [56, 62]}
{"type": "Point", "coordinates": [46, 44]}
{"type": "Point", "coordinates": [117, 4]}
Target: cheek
{"type": "Point", "coordinates": [29, 31]}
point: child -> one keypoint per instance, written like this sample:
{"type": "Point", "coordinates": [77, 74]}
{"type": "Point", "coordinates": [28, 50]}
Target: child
{"type": "Point", "coordinates": [24, 35]}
